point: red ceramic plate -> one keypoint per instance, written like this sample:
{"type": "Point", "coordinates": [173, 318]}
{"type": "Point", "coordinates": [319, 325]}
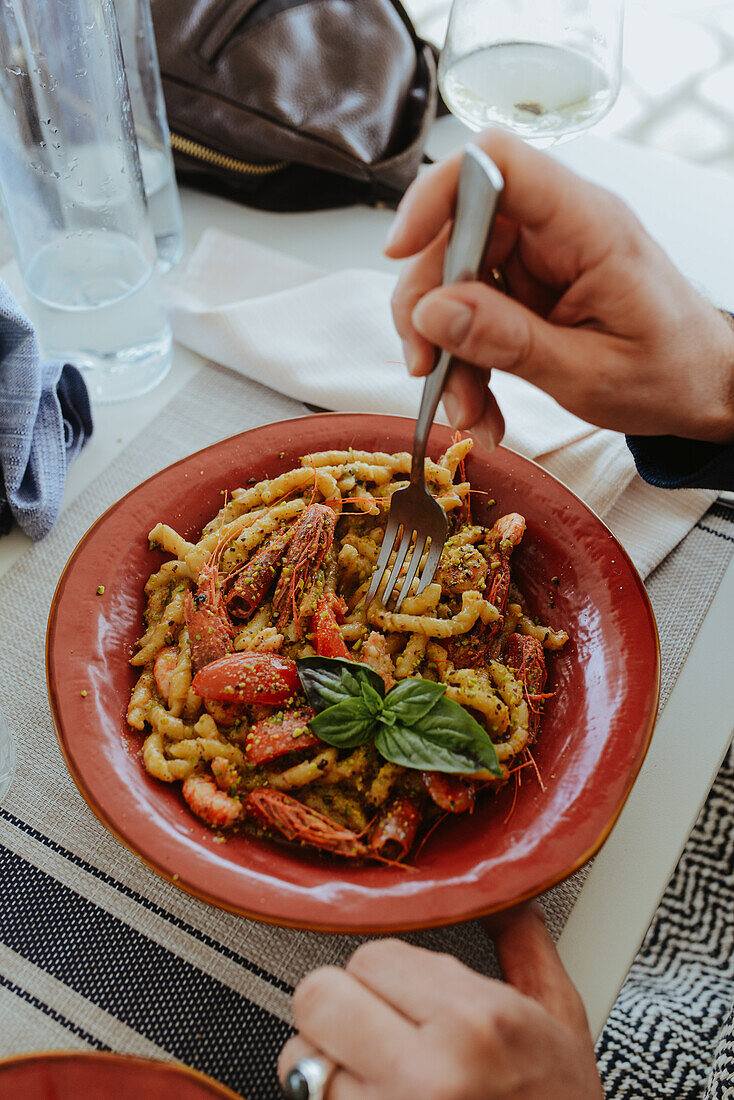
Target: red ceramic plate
{"type": "Point", "coordinates": [595, 731]}
{"type": "Point", "coordinates": [59, 1075]}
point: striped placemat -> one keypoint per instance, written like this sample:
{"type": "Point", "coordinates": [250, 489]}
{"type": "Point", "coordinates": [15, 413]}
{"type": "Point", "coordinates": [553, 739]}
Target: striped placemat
{"type": "Point", "coordinates": [96, 951]}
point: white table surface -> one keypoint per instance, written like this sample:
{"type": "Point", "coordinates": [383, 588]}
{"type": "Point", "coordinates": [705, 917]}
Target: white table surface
{"type": "Point", "coordinates": [692, 213]}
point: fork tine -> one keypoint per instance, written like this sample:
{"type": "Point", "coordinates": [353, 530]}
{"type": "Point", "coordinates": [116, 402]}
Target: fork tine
{"type": "Point", "coordinates": [429, 570]}
{"type": "Point", "coordinates": [420, 545]}
{"type": "Point", "coordinates": [405, 540]}
{"type": "Point", "coordinates": [388, 542]}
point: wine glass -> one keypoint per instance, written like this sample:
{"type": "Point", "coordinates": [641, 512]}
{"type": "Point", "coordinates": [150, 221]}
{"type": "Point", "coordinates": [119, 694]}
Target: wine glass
{"type": "Point", "coordinates": [544, 69]}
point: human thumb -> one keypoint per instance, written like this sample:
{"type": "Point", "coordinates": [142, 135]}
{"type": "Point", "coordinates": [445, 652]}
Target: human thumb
{"type": "Point", "coordinates": [484, 327]}
{"type": "Point", "coordinates": [530, 962]}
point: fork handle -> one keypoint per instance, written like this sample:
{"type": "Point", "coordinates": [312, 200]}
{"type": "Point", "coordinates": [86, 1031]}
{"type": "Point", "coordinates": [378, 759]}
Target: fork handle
{"type": "Point", "coordinates": [479, 189]}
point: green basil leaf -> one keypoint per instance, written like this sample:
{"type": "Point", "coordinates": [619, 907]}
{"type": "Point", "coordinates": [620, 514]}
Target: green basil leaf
{"type": "Point", "coordinates": [345, 725]}
{"type": "Point", "coordinates": [410, 700]}
{"type": "Point", "coordinates": [446, 739]}
{"type": "Point", "coordinates": [330, 680]}
{"type": "Point", "coordinates": [371, 699]}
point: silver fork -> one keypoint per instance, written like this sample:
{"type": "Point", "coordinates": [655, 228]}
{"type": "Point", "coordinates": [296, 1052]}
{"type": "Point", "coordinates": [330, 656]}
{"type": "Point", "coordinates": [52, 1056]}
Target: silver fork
{"type": "Point", "coordinates": [415, 517]}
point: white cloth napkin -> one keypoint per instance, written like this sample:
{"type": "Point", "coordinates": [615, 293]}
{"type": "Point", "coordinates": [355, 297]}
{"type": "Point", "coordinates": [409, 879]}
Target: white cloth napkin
{"type": "Point", "coordinates": [328, 338]}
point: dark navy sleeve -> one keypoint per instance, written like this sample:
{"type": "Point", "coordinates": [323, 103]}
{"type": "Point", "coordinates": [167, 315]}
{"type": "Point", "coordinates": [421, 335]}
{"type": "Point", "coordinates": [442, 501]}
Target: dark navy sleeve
{"type": "Point", "coordinates": [672, 463]}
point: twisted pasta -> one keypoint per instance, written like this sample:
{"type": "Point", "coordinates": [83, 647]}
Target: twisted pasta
{"type": "Point", "coordinates": [281, 572]}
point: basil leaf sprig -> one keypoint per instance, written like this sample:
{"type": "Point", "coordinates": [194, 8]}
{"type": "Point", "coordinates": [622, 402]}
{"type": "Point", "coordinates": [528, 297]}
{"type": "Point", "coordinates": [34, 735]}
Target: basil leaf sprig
{"type": "Point", "coordinates": [414, 724]}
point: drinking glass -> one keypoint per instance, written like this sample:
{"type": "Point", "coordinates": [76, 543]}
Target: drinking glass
{"type": "Point", "coordinates": [7, 758]}
{"type": "Point", "coordinates": [544, 70]}
{"type": "Point", "coordinates": [73, 198]}
{"type": "Point", "coordinates": [151, 128]}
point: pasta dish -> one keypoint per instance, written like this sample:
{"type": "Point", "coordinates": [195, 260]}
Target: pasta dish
{"type": "Point", "coordinates": [286, 706]}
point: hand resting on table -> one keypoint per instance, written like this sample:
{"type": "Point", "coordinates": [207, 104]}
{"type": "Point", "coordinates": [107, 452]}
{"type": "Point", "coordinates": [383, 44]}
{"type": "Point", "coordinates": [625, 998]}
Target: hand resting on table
{"type": "Point", "coordinates": [402, 1022]}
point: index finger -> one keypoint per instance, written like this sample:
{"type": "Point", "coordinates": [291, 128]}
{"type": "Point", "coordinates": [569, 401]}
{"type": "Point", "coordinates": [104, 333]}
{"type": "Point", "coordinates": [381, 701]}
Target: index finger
{"type": "Point", "coordinates": [419, 983]}
{"type": "Point", "coordinates": [539, 194]}
{"type": "Point", "coordinates": [340, 1016]}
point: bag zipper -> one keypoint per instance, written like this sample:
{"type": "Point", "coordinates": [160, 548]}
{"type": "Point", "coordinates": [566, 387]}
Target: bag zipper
{"type": "Point", "coordinates": [198, 151]}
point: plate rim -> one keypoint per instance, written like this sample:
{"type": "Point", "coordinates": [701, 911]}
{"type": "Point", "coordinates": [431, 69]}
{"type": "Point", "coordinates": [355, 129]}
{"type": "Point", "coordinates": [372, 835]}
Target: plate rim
{"type": "Point", "coordinates": [394, 927]}
{"type": "Point", "coordinates": [115, 1057]}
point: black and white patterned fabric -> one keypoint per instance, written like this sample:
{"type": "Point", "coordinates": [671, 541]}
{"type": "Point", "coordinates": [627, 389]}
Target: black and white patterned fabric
{"type": "Point", "coordinates": [671, 1032]}
{"type": "Point", "coordinates": [721, 1079]}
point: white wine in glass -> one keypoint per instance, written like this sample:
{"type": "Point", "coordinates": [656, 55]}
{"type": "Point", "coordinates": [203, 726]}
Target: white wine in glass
{"type": "Point", "coordinates": [544, 71]}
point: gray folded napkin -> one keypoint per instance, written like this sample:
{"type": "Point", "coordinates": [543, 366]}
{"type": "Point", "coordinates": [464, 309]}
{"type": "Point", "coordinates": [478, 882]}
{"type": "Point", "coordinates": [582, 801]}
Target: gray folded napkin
{"type": "Point", "coordinates": [45, 420]}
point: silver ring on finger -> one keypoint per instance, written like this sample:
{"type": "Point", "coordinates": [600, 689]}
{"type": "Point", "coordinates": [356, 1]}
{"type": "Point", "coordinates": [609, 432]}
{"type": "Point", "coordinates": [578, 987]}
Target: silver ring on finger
{"type": "Point", "coordinates": [308, 1079]}
{"type": "Point", "coordinates": [498, 280]}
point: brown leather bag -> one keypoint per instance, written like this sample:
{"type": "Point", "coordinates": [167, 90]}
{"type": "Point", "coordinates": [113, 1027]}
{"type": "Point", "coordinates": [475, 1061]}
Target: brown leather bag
{"type": "Point", "coordinates": [295, 104]}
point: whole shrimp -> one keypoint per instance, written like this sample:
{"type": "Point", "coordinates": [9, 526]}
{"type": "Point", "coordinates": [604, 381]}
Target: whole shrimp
{"type": "Point", "coordinates": [211, 634]}
{"type": "Point", "coordinates": [504, 536]}
{"type": "Point", "coordinates": [252, 584]}
{"type": "Point", "coordinates": [277, 810]}
{"type": "Point", "coordinates": [393, 833]}
{"type": "Point", "coordinates": [526, 658]}
{"type": "Point", "coordinates": [289, 561]}
{"type": "Point", "coordinates": [313, 536]}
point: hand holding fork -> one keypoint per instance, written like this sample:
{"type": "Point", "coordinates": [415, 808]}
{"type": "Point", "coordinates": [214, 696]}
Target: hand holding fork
{"type": "Point", "coordinates": [415, 517]}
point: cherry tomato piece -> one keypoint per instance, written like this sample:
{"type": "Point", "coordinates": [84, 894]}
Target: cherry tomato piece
{"type": "Point", "coordinates": [249, 678]}
{"type": "Point", "coordinates": [279, 733]}
{"type": "Point", "coordinates": [329, 642]}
